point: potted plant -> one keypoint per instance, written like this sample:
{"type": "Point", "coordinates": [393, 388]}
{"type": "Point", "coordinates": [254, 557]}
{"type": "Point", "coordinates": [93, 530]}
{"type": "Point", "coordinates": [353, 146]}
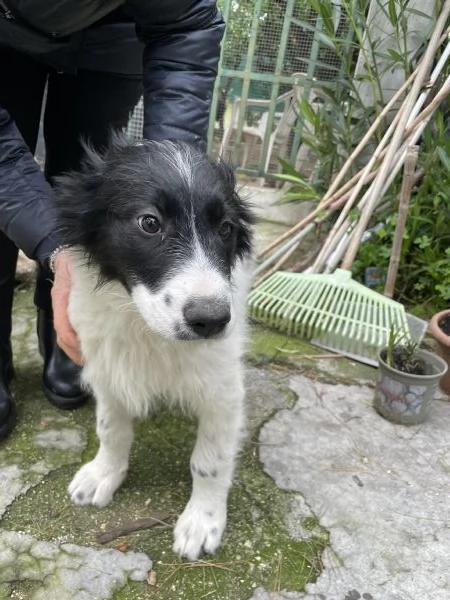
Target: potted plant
{"type": "Point", "coordinates": [439, 329]}
{"type": "Point", "coordinates": [407, 380]}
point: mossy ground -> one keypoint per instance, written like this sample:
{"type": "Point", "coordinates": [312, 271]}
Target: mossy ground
{"type": "Point", "coordinates": [269, 347]}
{"type": "Point", "coordinates": [257, 550]}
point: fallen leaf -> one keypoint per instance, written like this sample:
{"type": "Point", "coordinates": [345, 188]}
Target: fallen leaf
{"type": "Point", "coordinates": [151, 578]}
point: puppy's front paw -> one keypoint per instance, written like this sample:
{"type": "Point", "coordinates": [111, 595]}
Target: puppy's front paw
{"type": "Point", "coordinates": [199, 529]}
{"type": "Point", "coordinates": [95, 484]}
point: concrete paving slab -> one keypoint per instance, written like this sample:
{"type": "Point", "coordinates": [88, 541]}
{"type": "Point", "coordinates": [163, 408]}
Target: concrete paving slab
{"type": "Point", "coordinates": [67, 571]}
{"type": "Point", "coordinates": [381, 490]}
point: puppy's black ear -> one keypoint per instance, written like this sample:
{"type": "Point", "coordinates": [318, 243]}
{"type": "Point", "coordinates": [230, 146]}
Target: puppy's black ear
{"type": "Point", "coordinates": [246, 220]}
{"type": "Point", "coordinates": [118, 143]}
{"type": "Point", "coordinates": [226, 172]}
{"type": "Point", "coordinates": [245, 216]}
{"type": "Point", "coordinates": [76, 195]}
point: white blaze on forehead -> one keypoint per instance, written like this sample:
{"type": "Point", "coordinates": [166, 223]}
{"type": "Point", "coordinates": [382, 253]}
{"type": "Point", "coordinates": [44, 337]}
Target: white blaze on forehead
{"type": "Point", "coordinates": [209, 280]}
{"type": "Point", "coordinates": [201, 278]}
{"type": "Point", "coordinates": [181, 159]}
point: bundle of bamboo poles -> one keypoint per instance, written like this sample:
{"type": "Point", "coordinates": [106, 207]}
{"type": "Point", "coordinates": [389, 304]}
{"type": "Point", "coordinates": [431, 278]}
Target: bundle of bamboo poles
{"type": "Point", "coordinates": [420, 96]}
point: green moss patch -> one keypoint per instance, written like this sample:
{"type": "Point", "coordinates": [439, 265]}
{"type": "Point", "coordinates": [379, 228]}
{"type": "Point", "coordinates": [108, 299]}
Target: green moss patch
{"type": "Point", "coordinates": [257, 549]}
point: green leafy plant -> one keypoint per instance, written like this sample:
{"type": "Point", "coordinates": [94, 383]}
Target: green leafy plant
{"type": "Point", "coordinates": [301, 190]}
{"type": "Point", "coordinates": [401, 353]}
{"type": "Point", "coordinates": [333, 126]}
{"type": "Point", "coordinates": [423, 281]}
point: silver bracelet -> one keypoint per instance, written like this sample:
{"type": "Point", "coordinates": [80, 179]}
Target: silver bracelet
{"type": "Point", "coordinates": [53, 256]}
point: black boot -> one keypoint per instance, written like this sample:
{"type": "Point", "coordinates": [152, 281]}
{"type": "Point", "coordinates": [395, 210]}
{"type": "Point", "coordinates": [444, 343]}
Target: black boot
{"type": "Point", "coordinates": [8, 253]}
{"type": "Point", "coordinates": [61, 376]}
{"type": "Point", "coordinates": [7, 406]}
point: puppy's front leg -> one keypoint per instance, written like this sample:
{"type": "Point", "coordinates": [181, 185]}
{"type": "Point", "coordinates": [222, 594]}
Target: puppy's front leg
{"type": "Point", "coordinates": [96, 482]}
{"type": "Point", "coordinates": [200, 527]}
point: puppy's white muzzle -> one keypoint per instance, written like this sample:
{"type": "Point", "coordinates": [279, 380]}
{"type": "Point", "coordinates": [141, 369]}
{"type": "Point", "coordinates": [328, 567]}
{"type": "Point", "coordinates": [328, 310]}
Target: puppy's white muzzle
{"type": "Point", "coordinates": [193, 304]}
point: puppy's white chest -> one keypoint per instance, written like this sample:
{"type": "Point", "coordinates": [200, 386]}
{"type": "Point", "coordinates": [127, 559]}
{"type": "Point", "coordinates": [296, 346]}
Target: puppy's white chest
{"type": "Point", "coordinates": [123, 357]}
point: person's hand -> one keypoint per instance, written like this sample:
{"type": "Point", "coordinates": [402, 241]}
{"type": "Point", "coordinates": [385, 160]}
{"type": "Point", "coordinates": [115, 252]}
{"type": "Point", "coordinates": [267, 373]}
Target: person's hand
{"type": "Point", "coordinates": [66, 336]}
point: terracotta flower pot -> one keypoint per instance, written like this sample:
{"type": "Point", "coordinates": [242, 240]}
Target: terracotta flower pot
{"type": "Point", "coordinates": [439, 329]}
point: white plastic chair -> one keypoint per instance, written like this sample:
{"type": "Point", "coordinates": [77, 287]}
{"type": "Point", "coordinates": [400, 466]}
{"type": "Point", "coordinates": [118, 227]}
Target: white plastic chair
{"type": "Point", "coordinates": [284, 121]}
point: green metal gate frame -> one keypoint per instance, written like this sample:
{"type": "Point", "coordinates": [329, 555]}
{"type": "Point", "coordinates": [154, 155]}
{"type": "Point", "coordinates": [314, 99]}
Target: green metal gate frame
{"type": "Point", "coordinates": [276, 79]}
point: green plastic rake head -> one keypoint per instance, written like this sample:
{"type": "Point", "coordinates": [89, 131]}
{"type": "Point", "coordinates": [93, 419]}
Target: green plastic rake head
{"type": "Point", "coordinates": [332, 311]}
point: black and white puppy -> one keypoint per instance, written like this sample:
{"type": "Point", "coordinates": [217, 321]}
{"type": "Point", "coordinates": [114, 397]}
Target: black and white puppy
{"type": "Point", "coordinates": [162, 261]}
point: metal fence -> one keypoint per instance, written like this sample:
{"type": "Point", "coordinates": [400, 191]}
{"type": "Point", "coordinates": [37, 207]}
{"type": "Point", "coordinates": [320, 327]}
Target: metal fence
{"type": "Point", "coordinates": [271, 54]}
{"type": "Point", "coordinates": [135, 126]}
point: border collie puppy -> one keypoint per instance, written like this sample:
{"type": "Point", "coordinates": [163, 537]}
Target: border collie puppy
{"type": "Point", "coordinates": [161, 269]}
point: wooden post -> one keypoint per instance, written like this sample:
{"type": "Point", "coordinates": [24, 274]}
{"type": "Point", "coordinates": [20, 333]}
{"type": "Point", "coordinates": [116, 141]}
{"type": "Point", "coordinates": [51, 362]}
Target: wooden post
{"type": "Point", "coordinates": [405, 195]}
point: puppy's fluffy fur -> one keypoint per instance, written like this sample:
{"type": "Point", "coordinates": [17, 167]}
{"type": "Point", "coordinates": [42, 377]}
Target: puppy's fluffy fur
{"type": "Point", "coordinates": [162, 248]}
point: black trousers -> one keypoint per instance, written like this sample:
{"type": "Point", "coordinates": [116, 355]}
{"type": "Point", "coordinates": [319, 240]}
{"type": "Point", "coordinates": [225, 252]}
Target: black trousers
{"type": "Point", "coordinates": [82, 106]}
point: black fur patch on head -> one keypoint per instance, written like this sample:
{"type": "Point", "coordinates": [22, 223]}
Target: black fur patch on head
{"type": "Point", "coordinates": [139, 209]}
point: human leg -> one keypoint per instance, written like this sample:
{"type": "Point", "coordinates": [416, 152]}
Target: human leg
{"type": "Point", "coordinates": [83, 106]}
{"type": "Point", "coordinates": [21, 93]}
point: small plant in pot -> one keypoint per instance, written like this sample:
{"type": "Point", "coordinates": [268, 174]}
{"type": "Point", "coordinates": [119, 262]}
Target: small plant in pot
{"type": "Point", "coordinates": [407, 380]}
{"type": "Point", "coordinates": [439, 329]}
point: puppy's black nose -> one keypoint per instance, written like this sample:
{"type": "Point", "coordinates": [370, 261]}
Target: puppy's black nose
{"type": "Point", "coordinates": [206, 316]}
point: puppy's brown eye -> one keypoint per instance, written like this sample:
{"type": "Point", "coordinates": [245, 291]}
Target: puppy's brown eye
{"type": "Point", "coordinates": [149, 224]}
{"type": "Point", "coordinates": [225, 229]}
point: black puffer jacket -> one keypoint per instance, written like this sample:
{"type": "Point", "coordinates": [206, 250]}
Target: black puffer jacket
{"type": "Point", "coordinates": [181, 41]}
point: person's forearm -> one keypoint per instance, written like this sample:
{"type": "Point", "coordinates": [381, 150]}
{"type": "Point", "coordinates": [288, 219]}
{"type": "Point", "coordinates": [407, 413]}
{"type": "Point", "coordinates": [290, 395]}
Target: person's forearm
{"type": "Point", "coordinates": [180, 65]}
{"type": "Point", "coordinates": [27, 214]}
{"type": "Point", "coordinates": [46, 248]}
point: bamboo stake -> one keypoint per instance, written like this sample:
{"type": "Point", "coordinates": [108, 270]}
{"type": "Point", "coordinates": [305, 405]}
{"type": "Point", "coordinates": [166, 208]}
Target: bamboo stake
{"type": "Point", "coordinates": [397, 164]}
{"type": "Point", "coordinates": [422, 116]}
{"type": "Point", "coordinates": [334, 259]}
{"type": "Point", "coordinates": [378, 183]}
{"type": "Point", "coordinates": [425, 115]}
{"type": "Point", "coordinates": [333, 204]}
{"type": "Point", "coordinates": [334, 236]}
{"type": "Point", "coordinates": [311, 220]}
{"type": "Point", "coordinates": [372, 129]}
{"type": "Point", "coordinates": [343, 223]}
{"type": "Point", "coordinates": [309, 226]}
{"type": "Point", "coordinates": [419, 122]}
{"type": "Point", "coordinates": [370, 132]}
{"type": "Point", "coordinates": [332, 195]}
{"type": "Point", "coordinates": [405, 196]}
{"type": "Point", "coordinates": [336, 198]}
{"type": "Point", "coordinates": [277, 265]}
{"type": "Point", "coordinates": [297, 238]}
{"type": "Point", "coordinates": [418, 175]}
{"type": "Point", "coordinates": [342, 199]}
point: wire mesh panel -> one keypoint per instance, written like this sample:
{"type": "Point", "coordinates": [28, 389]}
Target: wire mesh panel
{"type": "Point", "coordinates": [135, 128]}
{"type": "Point", "coordinates": [272, 54]}
{"type": "Point", "coordinates": [272, 48]}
